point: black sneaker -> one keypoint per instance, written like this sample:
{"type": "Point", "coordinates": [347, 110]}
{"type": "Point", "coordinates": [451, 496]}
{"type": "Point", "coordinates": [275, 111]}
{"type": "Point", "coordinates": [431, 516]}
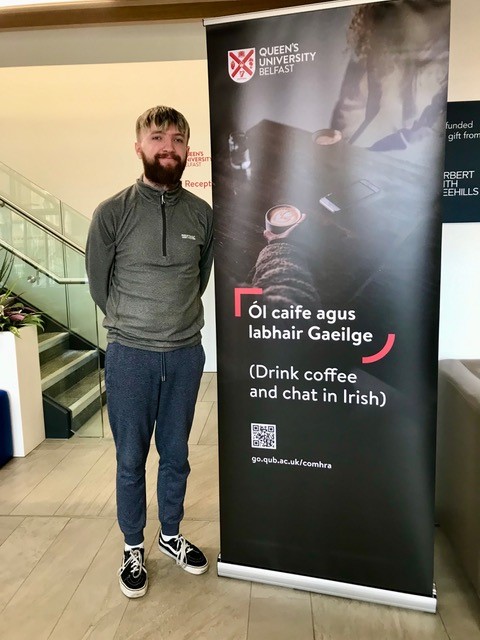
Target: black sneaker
{"type": "Point", "coordinates": [186, 554]}
{"type": "Point", "coordinates": [132, 575]}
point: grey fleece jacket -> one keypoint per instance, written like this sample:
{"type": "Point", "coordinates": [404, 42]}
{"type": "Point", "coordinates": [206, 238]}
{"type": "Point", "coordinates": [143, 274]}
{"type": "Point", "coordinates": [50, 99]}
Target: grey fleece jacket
{"type": "Point", "coordinates": [149, 255]}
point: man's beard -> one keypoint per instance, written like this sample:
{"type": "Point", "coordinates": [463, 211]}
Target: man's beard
{"type": "Point", "coordinates": [168, 176]}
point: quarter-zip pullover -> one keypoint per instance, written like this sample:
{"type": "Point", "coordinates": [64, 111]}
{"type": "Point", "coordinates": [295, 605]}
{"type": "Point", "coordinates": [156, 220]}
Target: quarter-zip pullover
{"type": "Point", "coordinates": [149, 255]}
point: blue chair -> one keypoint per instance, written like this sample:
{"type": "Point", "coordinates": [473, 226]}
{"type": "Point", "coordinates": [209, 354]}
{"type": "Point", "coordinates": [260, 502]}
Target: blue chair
{"type": "Point", "coordinates": [6, 439]}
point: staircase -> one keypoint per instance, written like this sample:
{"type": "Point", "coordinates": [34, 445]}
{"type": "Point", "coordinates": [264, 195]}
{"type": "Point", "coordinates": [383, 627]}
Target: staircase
{"type": "Point", "coordinates": [47, 239]}
{"type": "Point", "coordinates": [71, 378]}
{"type": "Point", "coordinates": [73, 383]}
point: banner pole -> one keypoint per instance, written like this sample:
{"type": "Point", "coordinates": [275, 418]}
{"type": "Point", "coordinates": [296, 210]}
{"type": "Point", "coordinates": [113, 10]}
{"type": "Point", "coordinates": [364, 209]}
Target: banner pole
{"type": "Point", "coordinates": [254, 15]}
{"type": "Point", "coordinates": [329, 587]}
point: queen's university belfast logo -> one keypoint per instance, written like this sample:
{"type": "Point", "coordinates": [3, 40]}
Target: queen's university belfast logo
{"type": "Point", "coordinates": [241, 64]}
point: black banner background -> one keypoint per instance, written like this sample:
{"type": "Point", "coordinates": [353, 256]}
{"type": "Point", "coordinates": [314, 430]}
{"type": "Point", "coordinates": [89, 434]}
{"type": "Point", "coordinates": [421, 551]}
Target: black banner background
{"type": "Point", "coordinates": [366, 516]}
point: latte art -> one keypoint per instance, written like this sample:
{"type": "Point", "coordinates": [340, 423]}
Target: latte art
{"type": "Point", "coordinates": [283, 216]}
{"type": "Point", "coordinates": [325, 137]}
{"type": "Point", "coordinates": [279, 218]}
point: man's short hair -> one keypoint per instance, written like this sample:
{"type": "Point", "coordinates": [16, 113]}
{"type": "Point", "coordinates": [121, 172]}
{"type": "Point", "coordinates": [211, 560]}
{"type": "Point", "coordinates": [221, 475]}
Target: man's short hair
{"type": "Point", "coordinates": [162, 117]}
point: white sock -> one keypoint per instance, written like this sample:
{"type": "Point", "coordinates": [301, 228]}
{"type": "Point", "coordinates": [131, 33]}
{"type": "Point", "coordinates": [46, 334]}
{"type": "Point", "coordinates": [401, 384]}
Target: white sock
{"type": "Point", "coordinates": [168, 538]}
{"type": "Point", "coordinates": [128, 547]}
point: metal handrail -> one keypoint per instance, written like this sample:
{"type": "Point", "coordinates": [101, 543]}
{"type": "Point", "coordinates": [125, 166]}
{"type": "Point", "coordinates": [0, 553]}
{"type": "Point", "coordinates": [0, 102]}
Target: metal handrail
{"type": "Point", "coordinates": [40, 224]}
{"type": "Point", "coordinates": [39, 267]}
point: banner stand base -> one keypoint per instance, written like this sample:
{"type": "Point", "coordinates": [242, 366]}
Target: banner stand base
{"type": "Point", "coordinates": [328, 587]}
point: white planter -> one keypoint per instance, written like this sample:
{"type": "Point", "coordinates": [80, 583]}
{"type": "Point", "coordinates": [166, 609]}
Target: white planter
{"type": "Point", "coordinates": [20, 377]}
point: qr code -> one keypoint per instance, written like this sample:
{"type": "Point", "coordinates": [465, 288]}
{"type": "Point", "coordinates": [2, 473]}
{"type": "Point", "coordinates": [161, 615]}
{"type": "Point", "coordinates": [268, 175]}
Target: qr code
{"type": "Point", "coordinates": [264, 436]}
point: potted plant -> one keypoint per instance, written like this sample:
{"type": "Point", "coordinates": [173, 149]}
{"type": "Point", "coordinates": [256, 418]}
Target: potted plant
{"type": "Point", "coordinates": [20, 365]}
{"type": "Point", "coordinates": [13, 313]}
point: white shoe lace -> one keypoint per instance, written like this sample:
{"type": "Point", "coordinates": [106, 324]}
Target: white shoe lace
{"type": "Point", "coordinates": [135, 560]}
{"type": "Point", "coordinates": [183, 548]}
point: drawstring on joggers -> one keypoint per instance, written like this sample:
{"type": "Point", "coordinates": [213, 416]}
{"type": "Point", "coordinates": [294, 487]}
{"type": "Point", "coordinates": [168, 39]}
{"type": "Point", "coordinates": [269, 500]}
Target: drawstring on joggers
{"type": "Point", "coordinates": [163, 367]}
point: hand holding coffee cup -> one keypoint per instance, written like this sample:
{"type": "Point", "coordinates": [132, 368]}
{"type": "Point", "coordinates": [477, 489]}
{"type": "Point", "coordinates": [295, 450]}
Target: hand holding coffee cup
{"type": "Point", "coordinates": [280, 220]}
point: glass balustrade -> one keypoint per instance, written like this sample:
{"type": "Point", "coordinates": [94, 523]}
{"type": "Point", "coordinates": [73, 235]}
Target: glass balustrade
{"type": "Point", "coordinates": [43, 206]}
{"type": "Point", "coordinates": [49, 271]}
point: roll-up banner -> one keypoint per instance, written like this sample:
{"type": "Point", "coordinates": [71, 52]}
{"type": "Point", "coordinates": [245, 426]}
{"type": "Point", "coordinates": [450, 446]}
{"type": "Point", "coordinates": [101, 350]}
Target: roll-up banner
{"type": "Point", "coordinates": [328, 132]}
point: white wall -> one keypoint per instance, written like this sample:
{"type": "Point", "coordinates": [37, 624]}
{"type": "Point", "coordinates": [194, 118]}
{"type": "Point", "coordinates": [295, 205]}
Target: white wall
{"type": "Point", "coordinates": [154, 42]}
{"type": "Point", "coordinates": [53, 73]}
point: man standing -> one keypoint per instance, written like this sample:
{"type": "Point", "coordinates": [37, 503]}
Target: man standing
{"type": "Point", "coordinates": [149, 256]}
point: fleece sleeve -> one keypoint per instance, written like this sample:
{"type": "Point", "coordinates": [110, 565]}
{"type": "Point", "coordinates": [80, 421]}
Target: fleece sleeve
{"type": "Point", "coordinates": [206, 258]}
{"type": "Point", "coordinates": [282, 272]}
{"type": "Point", "coordinates": [100, 256]}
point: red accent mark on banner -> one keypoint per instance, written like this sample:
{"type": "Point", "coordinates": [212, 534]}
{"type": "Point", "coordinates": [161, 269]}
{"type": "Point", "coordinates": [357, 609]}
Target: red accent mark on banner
{"type": "Point", "coordinates": [382, 353]}
{"type": "Point", "coordinates": [242, 291]}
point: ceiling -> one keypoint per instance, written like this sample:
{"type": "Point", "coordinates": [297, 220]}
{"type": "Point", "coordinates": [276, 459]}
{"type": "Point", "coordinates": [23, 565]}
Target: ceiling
{"type": "Point", "coordinates": [90, 12]}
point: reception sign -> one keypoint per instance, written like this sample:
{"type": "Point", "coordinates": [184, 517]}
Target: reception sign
{"type": "Point", "coordinates": [327, 161]}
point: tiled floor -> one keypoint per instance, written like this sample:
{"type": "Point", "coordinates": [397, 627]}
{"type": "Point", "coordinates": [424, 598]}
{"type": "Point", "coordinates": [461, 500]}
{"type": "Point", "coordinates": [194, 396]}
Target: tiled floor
{"type": "Point", "coordinates": [60, 549]}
